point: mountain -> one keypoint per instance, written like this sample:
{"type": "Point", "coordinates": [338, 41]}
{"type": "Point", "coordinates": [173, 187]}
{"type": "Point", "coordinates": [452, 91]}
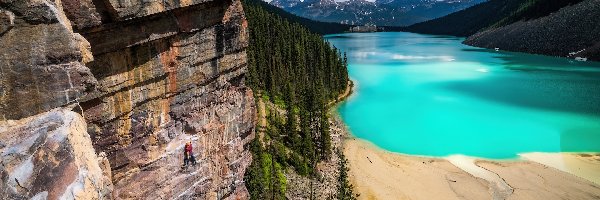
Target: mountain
{"type": "Point", "coordinates": [567, 28]}
{"type": "Point", "coordinates": [379, 12]}
{"type": "Point", "coordinates": [573, 31]}
{"type": "Point", "coordinates": [467, 22]}
{"type": "Point", "coordinates": [494, 13]}
{"type": "Point", "coordinates": [318, 27]}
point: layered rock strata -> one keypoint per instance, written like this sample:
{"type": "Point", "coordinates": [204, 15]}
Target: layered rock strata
{"type": "Point", "coordinates": [41, 64]}
{"type": "Point", "coordinates": [147, 76]}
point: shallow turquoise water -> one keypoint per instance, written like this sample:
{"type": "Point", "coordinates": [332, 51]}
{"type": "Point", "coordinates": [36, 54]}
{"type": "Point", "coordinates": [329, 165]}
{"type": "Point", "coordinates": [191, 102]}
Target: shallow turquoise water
{"type": "Point", "coordinates": [431, 95]}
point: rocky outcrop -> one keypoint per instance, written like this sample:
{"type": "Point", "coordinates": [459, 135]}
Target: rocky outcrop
{"type": "Point", "coordinates": [147, 76]}
{"type": "Point", "coordinates": [570, 32]}
{"type": "Point", "coordinates": [41, 64]}
{"type": "Point", "coordinates": [50, 156]}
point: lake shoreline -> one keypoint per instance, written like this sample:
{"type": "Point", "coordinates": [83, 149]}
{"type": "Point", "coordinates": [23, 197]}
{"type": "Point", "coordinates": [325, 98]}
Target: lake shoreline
{"type": "Point", "coordinates": [380, 174]}
{"type": "Point", "coordinates": [434, 96]}
{"type": "Point", "coordinates": [345, 95]}
{"type": "Point", "coordinates": [377, 173]}
{"type": "Point", "coordinates": [459, 99]}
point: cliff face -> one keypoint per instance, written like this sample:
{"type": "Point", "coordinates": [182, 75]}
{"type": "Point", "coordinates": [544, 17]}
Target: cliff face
{"type": "Point", "coordinates": [147, 76]}
{"type": "Point", "coordinates": [40, 59]}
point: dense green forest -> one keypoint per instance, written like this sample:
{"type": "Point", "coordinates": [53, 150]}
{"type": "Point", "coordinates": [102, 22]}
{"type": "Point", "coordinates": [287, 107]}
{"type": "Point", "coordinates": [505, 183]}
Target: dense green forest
{"type": "Point", "coordinates": [491, 14]}
{"type": "Point", "coordinates": [300, 73]}
{"type": "Point", "coordinates": [322, 28]}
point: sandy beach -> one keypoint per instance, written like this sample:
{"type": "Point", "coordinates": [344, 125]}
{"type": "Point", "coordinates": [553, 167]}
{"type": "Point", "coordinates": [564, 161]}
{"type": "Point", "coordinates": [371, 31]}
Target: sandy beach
{"type": "Point", "coordinates": [584, 165]}
{"type": "Point", "coordinates": [379, 174]}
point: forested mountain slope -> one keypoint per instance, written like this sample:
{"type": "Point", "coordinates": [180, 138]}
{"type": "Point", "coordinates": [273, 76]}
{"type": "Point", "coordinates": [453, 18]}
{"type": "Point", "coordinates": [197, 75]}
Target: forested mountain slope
{"type": "Point", "coordinates": [533, 9]}
{"type": "Point", "coordinates": [469, 21]}
{"type": "Point", "coordinates": [491, 14]}
{"type": "Point", "coordinates": [549, 27]}
{"type": "Point", "coordinates": [294, 74]}
{"type": "Point", "coordinates": [573, 31]}
{"type": "Point", "coordinates": [314, 26]}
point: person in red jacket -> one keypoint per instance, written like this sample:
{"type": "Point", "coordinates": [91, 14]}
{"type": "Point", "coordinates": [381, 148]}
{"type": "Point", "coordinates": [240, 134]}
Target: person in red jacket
{"type": "Point", "coordinates": [188, 155]}
{"type": "Point", "coordinates": [185, 154]}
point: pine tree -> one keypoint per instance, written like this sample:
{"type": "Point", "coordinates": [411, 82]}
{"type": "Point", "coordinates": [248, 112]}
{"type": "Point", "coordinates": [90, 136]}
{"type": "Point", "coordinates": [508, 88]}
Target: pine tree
{"type": "Point", "coordinates": [344, 188]}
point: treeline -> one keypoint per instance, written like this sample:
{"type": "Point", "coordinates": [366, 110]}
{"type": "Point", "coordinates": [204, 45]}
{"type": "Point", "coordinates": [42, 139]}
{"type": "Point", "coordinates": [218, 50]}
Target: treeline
{"type": "Point", "coordinates": [321, 28]}
{"type": "Point", "coordinates": [490, 14]}
{"type": "Point", "coordinates": [300, 73]}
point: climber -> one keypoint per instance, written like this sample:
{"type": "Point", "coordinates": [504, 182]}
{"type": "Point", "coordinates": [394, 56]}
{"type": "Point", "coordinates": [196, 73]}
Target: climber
{"type": "Point", "coordinates": [185, 154]}
{"type": "Point", "coordinates": [188, 154]}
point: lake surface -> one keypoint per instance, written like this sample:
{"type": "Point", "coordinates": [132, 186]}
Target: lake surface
{"type": "Point", "coordinates": [433, 96]}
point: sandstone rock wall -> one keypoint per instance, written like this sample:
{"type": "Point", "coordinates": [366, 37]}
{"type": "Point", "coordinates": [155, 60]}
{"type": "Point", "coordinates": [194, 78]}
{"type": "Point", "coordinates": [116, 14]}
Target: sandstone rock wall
{"type": "Point", "coordinates": [40, 59]}
{"type": "Point", "coordinates": [148, 75]}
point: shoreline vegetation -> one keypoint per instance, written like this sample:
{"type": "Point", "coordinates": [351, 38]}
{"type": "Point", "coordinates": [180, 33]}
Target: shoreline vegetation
{"type": "Point", "coordinates": [328, 181]}
{"type": "Point", "coordinates": [332, 181]}
{"type": "Point", "coordinates": [343, 96]}
{"type": "Point", "coordinates": [294, 74]}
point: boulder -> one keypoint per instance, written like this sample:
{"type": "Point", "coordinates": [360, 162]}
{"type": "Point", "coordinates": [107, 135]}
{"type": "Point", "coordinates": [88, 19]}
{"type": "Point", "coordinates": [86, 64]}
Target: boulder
{"type": "Point", "coordinates": [50, 156]}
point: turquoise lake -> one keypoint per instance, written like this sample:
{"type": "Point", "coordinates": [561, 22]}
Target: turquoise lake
{"type": "Point", "coordinates": [433, 96]}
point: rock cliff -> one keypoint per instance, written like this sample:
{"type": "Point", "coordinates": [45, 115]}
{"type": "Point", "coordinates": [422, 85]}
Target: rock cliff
{"type": "Point", "coordinates": [146, 76]}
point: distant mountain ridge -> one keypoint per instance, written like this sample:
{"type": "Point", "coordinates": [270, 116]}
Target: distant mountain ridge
{"type": "Point", "coordinates": [379, 12]}
{"type": "Point", "coordinates": [314, 26]}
